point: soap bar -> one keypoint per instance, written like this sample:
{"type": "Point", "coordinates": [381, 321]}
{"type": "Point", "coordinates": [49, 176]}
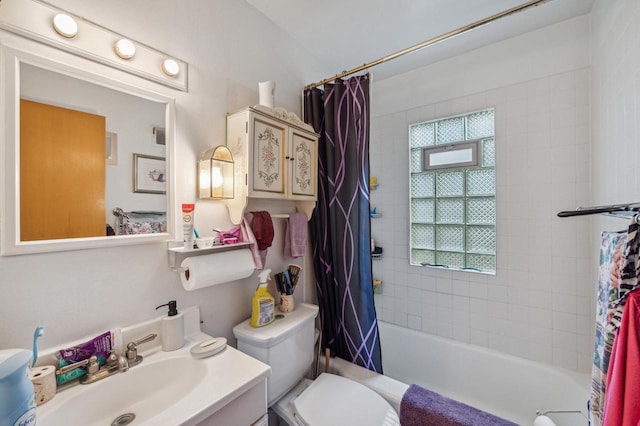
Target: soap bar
{"type": "Point", "coordinates": [208, 347]}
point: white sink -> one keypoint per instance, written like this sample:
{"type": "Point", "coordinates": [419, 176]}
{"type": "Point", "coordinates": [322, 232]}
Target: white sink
{"type": "Point", "coordinates": [171, 386]}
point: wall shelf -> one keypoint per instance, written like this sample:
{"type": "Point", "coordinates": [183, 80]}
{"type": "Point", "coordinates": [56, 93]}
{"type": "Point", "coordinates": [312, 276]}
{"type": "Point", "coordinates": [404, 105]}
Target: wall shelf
{"type": "Point", "coordinates": [177, 252]}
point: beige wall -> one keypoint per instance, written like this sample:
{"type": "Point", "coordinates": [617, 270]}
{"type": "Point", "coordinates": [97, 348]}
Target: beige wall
{"type": "Point", "coordinates": [230, 48]}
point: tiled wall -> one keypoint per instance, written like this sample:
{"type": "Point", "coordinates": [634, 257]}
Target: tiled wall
{"type": "Point", "coordinates": [616, 103]}
{"type": "Point", "coordinates": [540, 303]}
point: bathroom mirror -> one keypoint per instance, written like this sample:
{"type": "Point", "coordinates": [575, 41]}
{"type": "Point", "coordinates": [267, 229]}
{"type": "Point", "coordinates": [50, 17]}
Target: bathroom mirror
{"type": "Point", "coordinates": [135, 124]}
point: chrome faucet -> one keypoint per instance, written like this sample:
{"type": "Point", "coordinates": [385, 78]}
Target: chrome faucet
{"type": "Point", "coordinates": [114, 363]}
{"type": "Point", "coordinates": [132, 349]}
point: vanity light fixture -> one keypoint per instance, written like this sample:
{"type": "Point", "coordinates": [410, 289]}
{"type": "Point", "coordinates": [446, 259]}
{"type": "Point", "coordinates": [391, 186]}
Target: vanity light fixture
{"type": "Point", "coordinates": [65, 25]}
{"type": "Point", "coordinates": [41, 22]}
{"type": "Point", "coordinates": [216, 173]}
{"type": "Point", "coordinates": [170, 67]}
{"type": "Point", "coordinates": [125, 48]}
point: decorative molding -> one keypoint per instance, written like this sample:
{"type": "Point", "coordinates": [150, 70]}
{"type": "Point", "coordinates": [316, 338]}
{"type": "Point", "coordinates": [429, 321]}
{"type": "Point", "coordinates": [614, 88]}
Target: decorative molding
{"type": "Point", "coordinates": [284, 115]}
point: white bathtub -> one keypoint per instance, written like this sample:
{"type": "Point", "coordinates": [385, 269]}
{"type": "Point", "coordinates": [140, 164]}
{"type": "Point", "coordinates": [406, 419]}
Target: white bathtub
{"type": "Point", "coordinates": [504, 385]}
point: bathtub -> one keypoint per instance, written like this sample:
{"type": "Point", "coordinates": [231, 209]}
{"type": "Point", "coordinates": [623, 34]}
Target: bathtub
{"type": "Point", "coordinates": [504, 385]}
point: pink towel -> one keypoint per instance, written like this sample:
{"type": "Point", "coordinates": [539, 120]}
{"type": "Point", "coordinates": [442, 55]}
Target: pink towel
{"type": "Point", "coordinates": [247, 235]}
{"type": "Point", "coordinates": [622, 396]}
{"type": "Point", "coordinates": [295, 239]}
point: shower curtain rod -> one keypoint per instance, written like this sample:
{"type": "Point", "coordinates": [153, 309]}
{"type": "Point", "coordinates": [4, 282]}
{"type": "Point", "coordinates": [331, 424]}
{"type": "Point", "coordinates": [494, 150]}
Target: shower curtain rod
{"type": "Point", "coordinates": [429, 42]}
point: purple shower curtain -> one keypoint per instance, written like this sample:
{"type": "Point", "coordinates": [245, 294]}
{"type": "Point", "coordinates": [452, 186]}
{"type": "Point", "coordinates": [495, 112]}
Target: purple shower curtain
{"type": "Point", "coordinates": [340, 226]}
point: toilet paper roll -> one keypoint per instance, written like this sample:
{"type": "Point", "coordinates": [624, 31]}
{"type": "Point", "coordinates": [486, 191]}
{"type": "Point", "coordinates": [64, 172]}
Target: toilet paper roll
{"type": "Point", "coordinates": [44, 383]}
{"type": "Point", "coordinates": [207, 270]}
{"type": "Point", "coordinates": [543, 421]}
{"type": "Point", "coordinates": [266, 91]}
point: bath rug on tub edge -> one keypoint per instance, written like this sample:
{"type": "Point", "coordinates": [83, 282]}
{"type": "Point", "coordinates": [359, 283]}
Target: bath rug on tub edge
{"type": "Point", "coordinates": [422, 407]}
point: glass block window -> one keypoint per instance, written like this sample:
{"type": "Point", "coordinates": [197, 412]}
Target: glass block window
{"type": "Point", "coordinates": [453, 209]}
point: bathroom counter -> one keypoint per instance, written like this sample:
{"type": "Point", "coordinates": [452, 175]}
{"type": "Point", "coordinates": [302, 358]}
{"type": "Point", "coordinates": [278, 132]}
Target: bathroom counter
{"type": "Point", "coordinates": [171, 388]}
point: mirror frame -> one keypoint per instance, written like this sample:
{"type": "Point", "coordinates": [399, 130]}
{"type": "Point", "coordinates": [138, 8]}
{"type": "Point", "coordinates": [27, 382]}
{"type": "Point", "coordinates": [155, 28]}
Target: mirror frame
{"type": "Point", "coordinates": [15, 50]}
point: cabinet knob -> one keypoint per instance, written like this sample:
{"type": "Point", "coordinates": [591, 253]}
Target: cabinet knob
{"type": "Point", "coordinates": [287, 157]}
{"type": "Point", "coordinates": [291, 158]}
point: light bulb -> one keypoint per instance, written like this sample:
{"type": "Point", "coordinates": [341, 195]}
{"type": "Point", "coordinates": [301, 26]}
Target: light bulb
{"type": "Point", "coordinates": [125, 48]}
{"type": "Point", "coordinates": [170, 67]}
{"type": "Point", "coordinates": [65, 25]}
{"type": "Point", "coordinates": [216, 177]}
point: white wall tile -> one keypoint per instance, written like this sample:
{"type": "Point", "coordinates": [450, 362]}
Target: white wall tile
{"type": "Point", "coordinates": [414, 322]}
{"type": "Point", "coordinates": [530, 307]}
{"type": "Point", "coordinates": [548, 159]}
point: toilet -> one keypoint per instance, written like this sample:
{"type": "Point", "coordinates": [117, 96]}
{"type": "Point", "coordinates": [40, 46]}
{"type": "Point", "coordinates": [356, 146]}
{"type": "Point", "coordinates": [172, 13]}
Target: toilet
{"type": "Point", "coordinates": [287, 346]}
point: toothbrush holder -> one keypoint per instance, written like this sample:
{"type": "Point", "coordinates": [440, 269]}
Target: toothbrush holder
{"type": "Point", "coordinates": [286, 302]}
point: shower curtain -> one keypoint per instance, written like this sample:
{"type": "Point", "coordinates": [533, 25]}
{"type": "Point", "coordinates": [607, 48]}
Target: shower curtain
{"type": "Point", "coordinates": [340, 226]}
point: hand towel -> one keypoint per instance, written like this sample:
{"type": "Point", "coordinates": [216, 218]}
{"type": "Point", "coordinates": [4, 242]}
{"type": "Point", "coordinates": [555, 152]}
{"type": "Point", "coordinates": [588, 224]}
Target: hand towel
{"type": "Point", "coordinates": [262, 228]}
{"type": "Point", "coordinates": [295, 240]}
{"type": "Point", "coordinates": [247, 236]}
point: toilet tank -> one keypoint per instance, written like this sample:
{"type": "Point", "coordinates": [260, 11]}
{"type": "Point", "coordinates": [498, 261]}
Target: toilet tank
{"type": "Point", "coordinates": [286, 345]}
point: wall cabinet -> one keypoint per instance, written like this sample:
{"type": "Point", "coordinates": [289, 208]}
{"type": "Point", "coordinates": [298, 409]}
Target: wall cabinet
{"type": "Point", "coordinates": [276, 157]}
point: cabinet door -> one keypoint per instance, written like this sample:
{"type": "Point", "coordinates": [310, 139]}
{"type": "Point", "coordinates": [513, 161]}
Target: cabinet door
{"type": "Point", "coordinates": [268, 142]}
{"type": "Point", "coordinates": [303, 157]}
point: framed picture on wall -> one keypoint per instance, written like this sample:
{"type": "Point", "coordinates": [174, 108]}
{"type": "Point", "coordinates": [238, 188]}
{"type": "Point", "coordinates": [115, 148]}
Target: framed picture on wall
{"type": "Point", "coordinates": [149, 174]}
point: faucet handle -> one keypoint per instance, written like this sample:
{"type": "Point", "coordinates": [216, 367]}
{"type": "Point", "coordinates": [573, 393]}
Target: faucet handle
{"type": "Point", "coordinates": [145, 339]}
{"type": "Point", "coordinates": [93, 365]}
{"type": "Point", "coordinates": [132, 348]}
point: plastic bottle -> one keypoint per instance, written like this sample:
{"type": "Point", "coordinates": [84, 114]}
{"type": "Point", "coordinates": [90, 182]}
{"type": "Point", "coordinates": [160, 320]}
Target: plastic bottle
{"type": "Point", "coordinates": [172, 328]}
{"type": "Point", "coordinates": [17, 397]}
{"type": "Point", "coordinates": [262, 302]}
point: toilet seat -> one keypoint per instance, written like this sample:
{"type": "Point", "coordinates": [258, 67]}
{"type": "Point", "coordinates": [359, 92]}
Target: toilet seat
{"type": "Point", "coordinates": [335, 400]}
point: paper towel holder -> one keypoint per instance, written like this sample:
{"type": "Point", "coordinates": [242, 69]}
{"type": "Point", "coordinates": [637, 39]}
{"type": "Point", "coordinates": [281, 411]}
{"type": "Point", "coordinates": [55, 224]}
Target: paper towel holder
{"type": "Point", "coordinates": [177, 253]}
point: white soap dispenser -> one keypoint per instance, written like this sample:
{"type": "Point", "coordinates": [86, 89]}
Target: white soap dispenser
{"type": "Point", "coordinates": [172, 328]}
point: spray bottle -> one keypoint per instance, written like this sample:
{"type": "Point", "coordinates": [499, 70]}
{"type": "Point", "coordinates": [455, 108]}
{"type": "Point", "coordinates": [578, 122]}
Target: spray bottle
{"type": "Point", "coordinates": [262, 302]}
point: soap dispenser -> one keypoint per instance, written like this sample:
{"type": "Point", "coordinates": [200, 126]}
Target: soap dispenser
{"type": "Point", "coordinates": [172, 328]}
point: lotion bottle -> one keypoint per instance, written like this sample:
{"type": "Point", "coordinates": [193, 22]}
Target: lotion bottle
{"type": "Point", "coordinates": [262, 303]}
{"type": "Point", "coordinates": [172, 328]}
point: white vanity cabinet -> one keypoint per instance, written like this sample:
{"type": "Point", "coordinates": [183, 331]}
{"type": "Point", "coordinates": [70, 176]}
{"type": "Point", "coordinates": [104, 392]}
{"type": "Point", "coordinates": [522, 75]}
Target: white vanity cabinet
{"type": "Point", "coordinates": [275, 155]}
{"type": "Point", "coordinates": [249, 409]}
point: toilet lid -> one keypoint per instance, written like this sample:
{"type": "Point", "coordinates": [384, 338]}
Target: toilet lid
{"type": "Point", "coordinates": [335, 400]}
